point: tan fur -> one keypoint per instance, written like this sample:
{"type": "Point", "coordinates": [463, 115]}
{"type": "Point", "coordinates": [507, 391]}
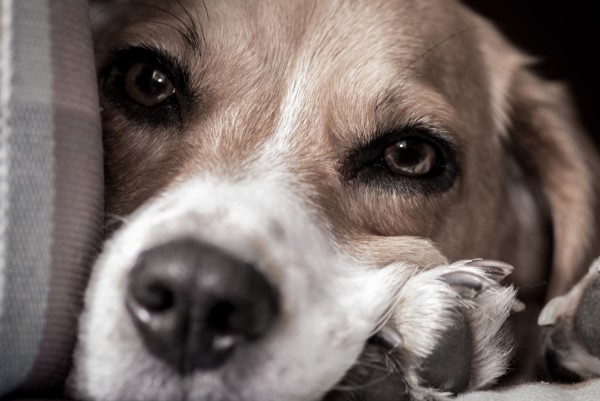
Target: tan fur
{"type": "Point", "coordinates": [367, 67]}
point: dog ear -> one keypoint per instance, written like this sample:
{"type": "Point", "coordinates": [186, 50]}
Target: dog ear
{"type": "Point", "coordinates": [561, 162]}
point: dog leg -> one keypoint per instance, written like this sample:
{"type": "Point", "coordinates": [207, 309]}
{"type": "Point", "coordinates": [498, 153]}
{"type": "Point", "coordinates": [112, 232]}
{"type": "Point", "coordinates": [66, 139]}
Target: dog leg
{"type": "Point", "coordinates": [571, 330]}
{"type": "Point", "coordinates": [446, 336]}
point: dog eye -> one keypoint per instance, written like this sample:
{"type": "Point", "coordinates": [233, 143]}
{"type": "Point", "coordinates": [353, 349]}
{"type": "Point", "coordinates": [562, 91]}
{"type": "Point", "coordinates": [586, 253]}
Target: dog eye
{"type": "Point", "coordinates": [407, 160]}
{"type": "Point", "coordinates": [147, 85]}
{"type": "Point", "coordinates": [412, 157]}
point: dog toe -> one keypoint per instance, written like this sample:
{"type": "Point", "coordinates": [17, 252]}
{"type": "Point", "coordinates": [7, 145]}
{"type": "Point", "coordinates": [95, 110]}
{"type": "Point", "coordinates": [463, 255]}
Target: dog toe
{"type": "Point", "coordinates": [466, 284]}
{"type": "Point", "coordinates": [493, 269]}
{"type": "Point", "coordinates": [451, 323]}
{"type": "Point", "coordinates": [571, 330]}
{"type": "Point", "coordinates": [446, 336]}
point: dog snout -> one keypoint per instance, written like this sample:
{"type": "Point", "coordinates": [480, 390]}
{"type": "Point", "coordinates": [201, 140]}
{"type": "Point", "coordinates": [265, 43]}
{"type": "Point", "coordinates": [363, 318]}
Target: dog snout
{"type": "Point", "coordinates": [194, 305]}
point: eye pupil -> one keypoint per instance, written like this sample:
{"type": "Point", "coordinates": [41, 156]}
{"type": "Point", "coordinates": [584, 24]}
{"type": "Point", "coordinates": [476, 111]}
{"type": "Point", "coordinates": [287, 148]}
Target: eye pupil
{"type": "Point", "coordinates": [148, 85]}
{"type": "Point", "coordinates": [411, 157]}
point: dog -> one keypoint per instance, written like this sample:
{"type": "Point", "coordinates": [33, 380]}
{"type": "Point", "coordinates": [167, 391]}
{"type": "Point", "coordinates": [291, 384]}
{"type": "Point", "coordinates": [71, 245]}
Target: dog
{"type": "Point", "coordinates": [291, 181]}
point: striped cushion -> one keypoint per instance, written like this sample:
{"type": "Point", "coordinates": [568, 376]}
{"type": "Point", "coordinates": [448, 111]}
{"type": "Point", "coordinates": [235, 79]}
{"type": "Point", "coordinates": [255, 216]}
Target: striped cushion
{"type": "Point", "coordinates": [50, 186]}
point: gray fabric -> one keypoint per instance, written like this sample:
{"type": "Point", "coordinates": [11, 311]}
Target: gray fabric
{"type": "Point", "coordinates": [50, 186]}
{"type": "Point", "coordinates": [589, 391]}
{"type": "Point", "coordinates": [29, 203]}
{"type": "Point", "coordinates": [78, 186]}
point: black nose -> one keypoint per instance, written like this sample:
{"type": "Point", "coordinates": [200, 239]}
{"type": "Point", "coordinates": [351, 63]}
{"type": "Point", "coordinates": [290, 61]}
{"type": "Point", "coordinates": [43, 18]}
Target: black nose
{"type": "Point", "coordinates": [194, 304]}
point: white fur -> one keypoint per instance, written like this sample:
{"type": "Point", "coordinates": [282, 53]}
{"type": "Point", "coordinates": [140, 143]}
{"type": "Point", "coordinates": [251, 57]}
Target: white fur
{"type": "Point", "coordinates": [330, 306]}
{"type": "Point", "coordinates": [426, 309]}
{"type": "Point", "coordinates": [330, 303]}
{"type": "Point", "coordinates": [291, 108]}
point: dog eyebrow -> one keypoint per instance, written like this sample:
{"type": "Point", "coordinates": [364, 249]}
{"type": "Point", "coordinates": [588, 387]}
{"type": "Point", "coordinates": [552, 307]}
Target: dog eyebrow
{"type": "Point", "coordinates": [191, 39]}
{"type": "Point", "coordinates": [417, 105]}
{"type": "Point", "coordinates": [191, 30]}
{"type": "Point", "coordinates": [187, 27]}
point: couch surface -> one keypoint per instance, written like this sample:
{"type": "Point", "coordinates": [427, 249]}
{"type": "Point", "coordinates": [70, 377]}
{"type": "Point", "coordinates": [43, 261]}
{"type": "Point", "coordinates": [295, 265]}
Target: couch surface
{"type": "Point", "coordinates": [50, 187]}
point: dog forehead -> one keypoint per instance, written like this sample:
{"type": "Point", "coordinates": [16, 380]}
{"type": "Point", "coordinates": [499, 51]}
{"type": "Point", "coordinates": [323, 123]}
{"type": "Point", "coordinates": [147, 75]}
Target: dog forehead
{"type": "Point", "coordinates": [367, 42]}
{"type": "Point", "coordinates": [353, 53]}
{"type": "Point", "coordinates": [297, 78]}
{"type": "Point", "coordinates": [321, 57]}
{"type": "Point", "coordinates": [353, 39]}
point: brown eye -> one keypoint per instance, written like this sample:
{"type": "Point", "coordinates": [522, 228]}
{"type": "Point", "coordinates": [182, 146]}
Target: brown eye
{"type": "Point", "coordinates": [412, 157]}
{"type": "Point", "coordinates": [147, 85]}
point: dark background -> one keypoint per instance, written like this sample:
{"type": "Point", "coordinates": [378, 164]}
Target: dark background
{"type": "Point", "coordinates": [563, 35]}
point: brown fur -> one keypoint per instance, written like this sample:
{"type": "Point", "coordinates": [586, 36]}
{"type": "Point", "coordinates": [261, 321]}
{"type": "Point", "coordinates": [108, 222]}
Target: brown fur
{"type": "Point", "coordinates": [372, 66]}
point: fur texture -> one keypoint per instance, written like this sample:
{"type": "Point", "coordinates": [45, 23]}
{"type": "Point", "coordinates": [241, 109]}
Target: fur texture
{"type": "Point", "coordinates": [279, 101]}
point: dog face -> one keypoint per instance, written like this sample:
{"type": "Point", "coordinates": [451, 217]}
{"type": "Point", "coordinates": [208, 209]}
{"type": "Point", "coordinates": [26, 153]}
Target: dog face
{"type": "Point", "coordinates": [332, 149]}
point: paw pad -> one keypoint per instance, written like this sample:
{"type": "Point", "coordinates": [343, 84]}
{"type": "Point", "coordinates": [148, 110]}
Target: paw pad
{"type": "Point", "coordinates": [445, 335]}
{"type": "Point", "coordinates": [448, 367]}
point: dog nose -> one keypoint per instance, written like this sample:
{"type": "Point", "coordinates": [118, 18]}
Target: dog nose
{"type": "Point", "coordinates": [194, 304]}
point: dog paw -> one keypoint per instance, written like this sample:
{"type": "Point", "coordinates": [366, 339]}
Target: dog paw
{"type": "Point", "coordinates": [446, 335]}
{"type": "Point", "coordinates": [571, 330]}
{"type": "Point", "coordinates": [452, 323]}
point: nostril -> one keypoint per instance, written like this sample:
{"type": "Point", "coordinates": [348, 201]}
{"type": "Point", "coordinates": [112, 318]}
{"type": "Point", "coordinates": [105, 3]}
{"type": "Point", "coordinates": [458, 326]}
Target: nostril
{"type": "Point", "coordinates": [220, 317]}
{"type": "Point", "coordinates": [155, 297]}
{"type": "Point", "coordinates": [241, 319]}
{"type": "Point", "coordinates": [157, 304]}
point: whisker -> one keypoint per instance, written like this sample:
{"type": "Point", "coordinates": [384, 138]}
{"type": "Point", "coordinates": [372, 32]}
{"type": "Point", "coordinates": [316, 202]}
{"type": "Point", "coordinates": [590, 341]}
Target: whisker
{"type": "Point", "coordinates": [432, 48]}
{"type": "Point", "coordinates": [132, 3]}
{"type": "Point", "coordinates": [205, 9]}
{"type": "Point", "coordinates": [101, 11]}
{"type": "Point", "coordinates": [379, 103]}
{"type": "Point", "coordinates": [186, 11]}
{"type": "Point", "coordinates": [195, 25]}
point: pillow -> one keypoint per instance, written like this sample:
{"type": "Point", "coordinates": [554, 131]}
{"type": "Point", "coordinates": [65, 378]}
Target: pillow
{"type": "Point", "coordinates": [50, 187]}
